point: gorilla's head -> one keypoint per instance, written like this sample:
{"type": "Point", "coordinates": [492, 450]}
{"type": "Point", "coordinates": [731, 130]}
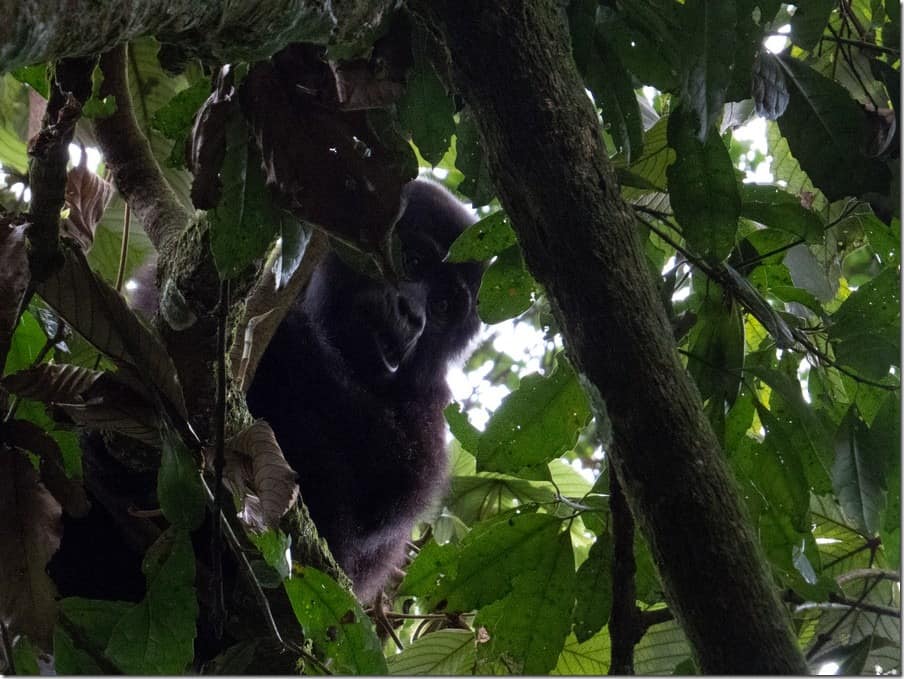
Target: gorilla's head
{"type": "Point", "coordinates": [402, 335]}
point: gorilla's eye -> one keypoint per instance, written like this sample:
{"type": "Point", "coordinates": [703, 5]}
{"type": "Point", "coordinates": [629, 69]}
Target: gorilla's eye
{"type": "Point", "coordinates": [440, 306]}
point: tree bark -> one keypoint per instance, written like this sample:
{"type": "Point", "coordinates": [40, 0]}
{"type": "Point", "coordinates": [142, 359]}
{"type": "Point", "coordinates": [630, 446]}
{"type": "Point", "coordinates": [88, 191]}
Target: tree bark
{"type": "Point", "coordinates": [45, 30]}
{"type": "Point", "coordinates": [511, 62]}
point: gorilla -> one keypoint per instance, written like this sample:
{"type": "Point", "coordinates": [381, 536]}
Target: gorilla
{"type": "Point", "coordinates": [353, 384]}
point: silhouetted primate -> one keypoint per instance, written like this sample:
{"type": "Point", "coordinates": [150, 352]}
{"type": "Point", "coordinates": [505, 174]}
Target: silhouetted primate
{"type": "Point", "coordinates": [354, 385]}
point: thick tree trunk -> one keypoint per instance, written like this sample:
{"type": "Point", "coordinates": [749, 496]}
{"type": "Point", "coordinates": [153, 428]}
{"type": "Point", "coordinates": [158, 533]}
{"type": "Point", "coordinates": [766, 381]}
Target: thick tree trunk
{"type": "Point", "coordinates": [511, 62]}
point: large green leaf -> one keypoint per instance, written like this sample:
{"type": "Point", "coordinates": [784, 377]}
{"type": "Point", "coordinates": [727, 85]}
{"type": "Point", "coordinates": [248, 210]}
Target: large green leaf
{"type": "Point", "coordinates": [244, 223]}
{"type": "Point", "coordinates": [826, 130]}
{"type": "Point", "coordinates": [335, 623]}
{"type": "Point", "coordinates": [493, 555]}
{"type": "Point", "coordinates": [588, 658]}
{"type": "Point", "coordinates": [716, 347]}
{"type": "Point", "coordinates": [594, 590]}
{"type": "Point", "coordinates": [426, 110]}
{"type": "Point", "coordinates": [446, 652]}
{"type": "Point", "coordinates": [507, 288]}
{"type": "Point", "coordinates": [709, 51]}
{"type": "Point", "coordinates": [179, 487]}
{"type": "Point", "coordinates": [865, 330]}
{"type": "Point", "coordinates": [858, 475]}
{"type": "Point", "coordinates": [492, 235]}
{"type": "Point", "coordinates": [809, 21]}
{"type": "Point", "coordinates": [521, 640]}
{"type": "Point", "coordinates": [606, 77]}
{"type": "Point", "coordinates": [83, 633]}
{"type": "Point", "coordinates": [774, 207]}
{"type": "Point", "coordinates": [536, 423]}
{"type": "Point", "coordinates": [702, 188]}
{"type": "Point", "coordinates": [157, 635]}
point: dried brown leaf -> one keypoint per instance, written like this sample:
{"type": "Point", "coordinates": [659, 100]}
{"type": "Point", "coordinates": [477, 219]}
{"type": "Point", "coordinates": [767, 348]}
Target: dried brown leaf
{"type": "Point", "coordinates": [30, 531]}
{"type": "Point", "coordinates": [70, 493]}
{"type": "Point", "coordinates": [14, 277]}
{"type": "Point", "coordinates": [208, 142]}
{"type": "Point", "coordinates": [87, 196]}
{"type": "Point", "coordinates": [256, 469]}
{"type": "Point", "coordinates": [100, 314]}
{"type": "Point", "coordinates": [52, 383]}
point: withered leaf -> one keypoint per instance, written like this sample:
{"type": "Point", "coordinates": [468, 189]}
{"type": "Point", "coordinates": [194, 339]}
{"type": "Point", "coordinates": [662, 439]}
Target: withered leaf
{"type": "Point", "coordinates": [100, 314]}
{"type": "Point", "coordinates": [92, 398]}
{"type": "Point", "coordinates": [14, 277]}
{"type": "Point", "coordinates": [70, 493]}
{"type": "Point", "coordinates": [30, 531]}
{"type": "Point", "coordinates": [256, 469]}
{"type": "Point", "coordinates": [51, 383]}
{"type": "Point", "coordinates": [208, 142]}
{"type": "Point", "coordinates": [87, 196]}
{"type": "Point", "coordinates": [327, 167]}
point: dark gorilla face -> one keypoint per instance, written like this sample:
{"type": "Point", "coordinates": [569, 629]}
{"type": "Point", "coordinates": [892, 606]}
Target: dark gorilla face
{"type": "Point", "coordinates": [405, 333]}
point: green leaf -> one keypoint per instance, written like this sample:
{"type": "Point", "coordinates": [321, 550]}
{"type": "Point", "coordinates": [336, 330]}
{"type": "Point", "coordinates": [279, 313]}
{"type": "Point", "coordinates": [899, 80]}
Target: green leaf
{"type": "Point", "coordinates": [795, 428]}
{"type": "Point", "coordinates": [274, 546]}
{"type": "Point", "coordinates": [809, 21]}
{"type": "Point", "coordinates": [446, 652]}
{"type": "Point", "coordinates": [709, 46]}
{"type": "Point", "coordinates": [244, 223]}
{"type": "Point", "coordinates": [716, 347]}
{"type": "Point", "coordinates": [605, 76]}
{"type": "Point", "coordinates": [462, 429]}
{"type": "Point", "coordinates": [492, 555]}
{"type": "Point", "coordinates": [433, 564]}
{"type": "Point", "coordinates": [157, 635]}
{"type": "Point", "coordinates": [594, 590]}
{"type": "Point", "coordinates": [492, 235]}
{"type": "Point", "coordinates": [94, 622]}
{"type": "Point", "coordinates": [507, 288]}
{"type": "Point", "coordinates": [35, 76]}
{"type": "Point", "coordinates": [176, 119]}
{"type": "Point", "coordinates": [651, 167]}
{"type": "Point", "coordinates": [334, 623]}
{"type": "Point", "coordinates": [588, 658]}
{"type": "Point", "coordinates": [884, 438]}
{"type": "Point", "coordinates": [13, 124]}
{"type": "Point", "coordinates": [426, 110]}
{"type": "Point", "coordinates": [27, 342]}
{"type": "Point", "coordinates": [521, 639]}
{"type": "Point", "coordinates": [858, 475]}
{"type": "Point", "coordinates": [536, 423]}
{"type": "Point", "coordinates": [776, 208]}
{"type": "Point", "coordinates": [478, 496]}
{"type": "Point", "coordinates": [826, 130]}
{"type": "Point", "coordinates": [471, 161]}
{"type": "Point", "coordinates": [865, 329]}
{"type": "Point", "coordinates": [25, 657]}
{"type": "Point", "coordinates": [702, 188]}
{"type": "Point", "coordinates": [662, 650]}
{"type": "Point", "coordinates": [179, 484]}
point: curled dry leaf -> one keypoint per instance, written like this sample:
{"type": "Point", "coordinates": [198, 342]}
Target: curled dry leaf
{"type": "Point", "coordinates": [87, 196]}
{"type": "Point", "coordinates": [30, 531]}
{"type": "Point", "coordinates": [256, 469]}
{"type": "Point", "coordinates": [208, 142]}
{"type": "Point", "coordinates": [70, 493]}
{"type": "Point", "coordinates": [100, 314]}
{"type": "Point", "coordinates": [100, 400]}
{"type": "Point", "coordinates": [14, 277]}
{"type": "Point", "coordinates": [326, 166]}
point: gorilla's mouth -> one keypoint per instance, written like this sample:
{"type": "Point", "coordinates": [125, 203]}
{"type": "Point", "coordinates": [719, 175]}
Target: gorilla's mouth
{"type": "Point", "coordinates": [393, 350]}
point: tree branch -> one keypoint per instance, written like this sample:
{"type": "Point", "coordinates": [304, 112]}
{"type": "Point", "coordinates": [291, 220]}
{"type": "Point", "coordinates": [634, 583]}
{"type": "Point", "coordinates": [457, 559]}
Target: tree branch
{"type": "Point", "coordinates": [128, 155]}
{"type": "Point", "coordinates": [511, 62]}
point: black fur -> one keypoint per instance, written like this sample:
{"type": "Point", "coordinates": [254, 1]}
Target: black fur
{"type": "Point", "coordinates": [354, 385]}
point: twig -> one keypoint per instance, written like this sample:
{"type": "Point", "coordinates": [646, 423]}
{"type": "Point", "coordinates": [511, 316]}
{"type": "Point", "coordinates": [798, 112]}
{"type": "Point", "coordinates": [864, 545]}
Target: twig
{"type": "Point", "coordinates": [625, 628]}
{"type": "Point", "coordinates": [124, 250]}
{"type": "Point", "coordinates": [864, 45]}
{"type": "Point", "coordinates": [48, 156]}
{"type": "Point", "coordinates": [7, 648]}
{"type": "Point", "coordinates": [219, 608]}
